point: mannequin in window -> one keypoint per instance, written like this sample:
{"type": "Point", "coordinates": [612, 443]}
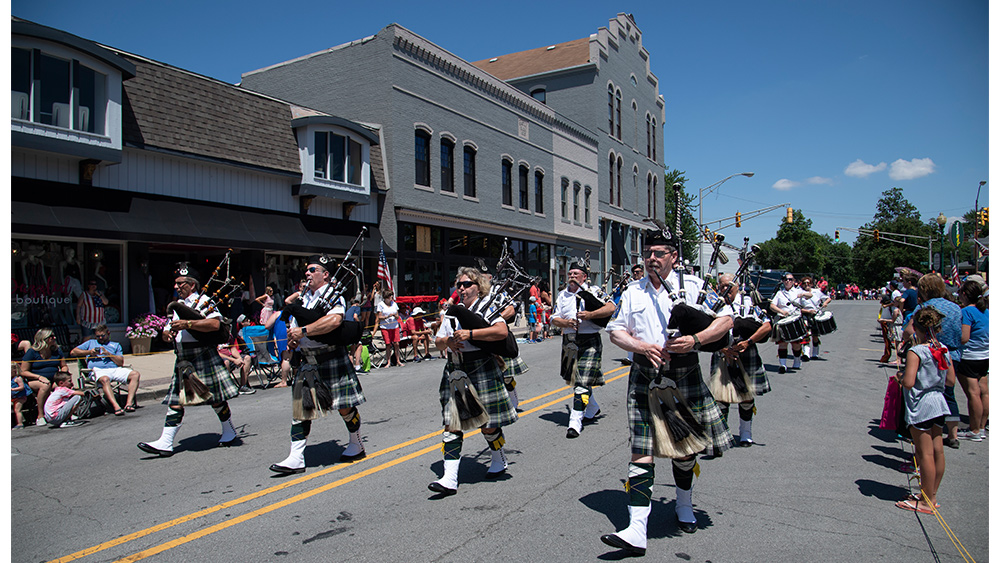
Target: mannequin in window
{"type": "Point", "coordinates": [72, 288]}
{"type": "Point", "coordinates": [33, 269]}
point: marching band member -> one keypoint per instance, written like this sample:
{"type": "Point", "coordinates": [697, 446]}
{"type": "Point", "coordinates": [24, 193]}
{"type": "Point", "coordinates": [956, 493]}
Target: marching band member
{"type": "Point", "coordinates": [484, 375]}
{"type": "Point", "coordinates": [334, 368]}
{"type": "Point", "coordinates": [640, 327]}
{"type": "Point", "coordinates": [207, 366]}
{"type": "Point", "coordinates": [811, 301]}
{"type": "Point", "coordinates": [578, 325]}
{"type": "Point", "coordinates": [744, 349]}
{"type": "Point", "coordinates": [784, 305]}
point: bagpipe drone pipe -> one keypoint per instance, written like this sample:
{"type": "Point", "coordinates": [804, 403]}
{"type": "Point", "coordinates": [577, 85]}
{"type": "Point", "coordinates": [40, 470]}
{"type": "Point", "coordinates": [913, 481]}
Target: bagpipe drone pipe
{"type": "Point", "coordinates": [207, 304]}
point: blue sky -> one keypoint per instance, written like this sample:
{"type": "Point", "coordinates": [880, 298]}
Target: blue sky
{"type": "Point", "coordinates": [828, 103]}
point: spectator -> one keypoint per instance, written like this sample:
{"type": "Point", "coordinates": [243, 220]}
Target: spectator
{"type": "Point", "coordinates": [387, 316]}
{"type": "Point", "coordinates": [973, 370]}
{"type": "Point", "coordinates": [907, 301]}
{"type": "Point", "coordinates": [374, 297]}
{"type": "Point", "coordinates": [19, 393]}
{"type": "Point", "coordinates": [419, 333]}
{"type": "Point", "coordinates": [61, 403]}
{"type": "Point", "coordinates": [40, 364]}
{"type": "Point", "coordinates": [887, 314]}
{"type": "Point", "coordinates": [279, 329]}
{"type": "Point", "coordinates": [353, 313]}
{"type": "Point", "coordinates": [231, 356]}
{"type": "Point", "coordinates": [106, 361]}
{"type": "Point", "coordinates": [266, 302]}
{"type": "Point", "coordinates": [533, 319]}
{"type": "Point", "coordinates": [546, 299]}
{"type": "Point", "coordinates": [90, 307]}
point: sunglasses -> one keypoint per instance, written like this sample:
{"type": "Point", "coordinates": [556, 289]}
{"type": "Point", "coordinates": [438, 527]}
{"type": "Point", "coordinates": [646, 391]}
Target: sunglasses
{"type": "Point", "coordinates": [656, 253]}
{"type": "Point", "coordinates": [313, 269]}
{"type": "Point", "coordinates": [790, 279]}
{"type": "Point", "coordinates": [465, 284]}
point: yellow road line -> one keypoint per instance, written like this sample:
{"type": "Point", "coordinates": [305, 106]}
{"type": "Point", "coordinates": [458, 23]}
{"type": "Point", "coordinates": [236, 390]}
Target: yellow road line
{"type": "Point", "coordinates": [302, 496]}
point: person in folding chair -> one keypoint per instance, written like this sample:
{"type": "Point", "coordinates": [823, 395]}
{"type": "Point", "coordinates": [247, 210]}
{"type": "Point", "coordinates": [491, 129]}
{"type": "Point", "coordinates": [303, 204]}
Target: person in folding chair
{"type": "Point", "coordinates": [645, 307]}
{"type": "Point", "coordinates": [197, 361]}
{"type": "Point", "coordinates": [326, 379]}
{"type": "Point", "coordinates": [106, 362]}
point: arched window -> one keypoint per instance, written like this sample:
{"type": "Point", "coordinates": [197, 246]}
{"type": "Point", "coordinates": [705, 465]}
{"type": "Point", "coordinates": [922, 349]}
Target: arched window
{"type": "Point", "coordinates": [469, 170]}
{"type": "Point", "coordinates": [422, 158]}
{"type": "Point", "coordinates": [447, 165]}
{"type": "Point", "coordinates": [618, 113]}
{"type": "Point", "coordinates": [635, 186]}
{"type": "Point", "coordinates": [649, 195]}
{"type": "Point", "coordinates": [506, 181]}
{"type": "Point", "coordinates": [522, 186]}
{"type": "Point", "coordinates": [586, 205]}
{"type": "Point", "coordinates": [654, 140]}
{"type": "Point", "coordinates": [649, 130]}
{"type": "Point", "coordinates": [653, 214]}
{"type": "Point", "coordinates": [563, 195]}
{"type": "Point", "coordinates": [635, 122]}
{"type": "Point", "coordinates": [611, 109]}
{"type": "Point", "coordinates": [611, 178]}
{"type": "Point", "coordinates": [539, 194]}
{"type": "Point", "coordinates": [576, 201]}
{"type": "Point", "coordinates": [619, 170]}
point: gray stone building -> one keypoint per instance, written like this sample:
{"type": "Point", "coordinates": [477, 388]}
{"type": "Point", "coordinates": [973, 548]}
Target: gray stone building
{"type": "Point", "coordinates": [470, 159]}
{"type": "Point", "coordinates": [604, 83]}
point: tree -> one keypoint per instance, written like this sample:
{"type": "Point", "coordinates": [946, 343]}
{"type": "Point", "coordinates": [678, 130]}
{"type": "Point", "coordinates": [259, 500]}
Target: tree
{"type": "Point", "coordinates": [795, 248]}
{"type": "Point", "coordinates": [875, 262]}
{"type": "Point", "coordinates": [689, 226]}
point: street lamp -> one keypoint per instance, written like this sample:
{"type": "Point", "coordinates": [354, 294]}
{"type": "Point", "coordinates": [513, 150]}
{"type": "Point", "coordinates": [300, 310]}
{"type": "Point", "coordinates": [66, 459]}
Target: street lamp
{"type": "Point", "coordinates": [701, 193]}
{"type": "Point", "coordinates": [941, 220]}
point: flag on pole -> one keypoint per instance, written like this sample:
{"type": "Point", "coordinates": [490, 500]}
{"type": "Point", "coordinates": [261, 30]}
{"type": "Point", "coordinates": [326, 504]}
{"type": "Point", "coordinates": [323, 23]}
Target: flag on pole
{"type": "Point", "coordinates": [383, 269]}
{"type": "Point", "coordinates": [954, 270]}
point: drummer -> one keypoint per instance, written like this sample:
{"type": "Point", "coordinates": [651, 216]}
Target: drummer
{"type": "Point", "coordinates": [785, 306]}
{"type": "Point", "coordinates": [812, 301]}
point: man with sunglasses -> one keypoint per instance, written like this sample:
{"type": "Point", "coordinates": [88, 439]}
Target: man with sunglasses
{"type": "Point", "coordinates": [333, 365]}
{"type": "Point", "coordinates": [812, 301]}
{"type": "Point", "coordinates": [578, 324]}
{"type": "Point", "coordinates": [205, 360]}
{"type": "Point", "coordinates": [640, 327]}
{"type": "Point", "coordinates": [785, 304]}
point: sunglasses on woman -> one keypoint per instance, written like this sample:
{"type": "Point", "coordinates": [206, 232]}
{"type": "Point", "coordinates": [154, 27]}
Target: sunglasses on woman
{"type": "Point", "coordinates": [465, 284]}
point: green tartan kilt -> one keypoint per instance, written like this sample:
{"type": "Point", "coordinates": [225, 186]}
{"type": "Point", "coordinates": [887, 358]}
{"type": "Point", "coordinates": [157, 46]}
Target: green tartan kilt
{"type": "Point", "coordinates": [696, 395]}
{"type": "Point", "coordinates": [339, 375]}
{"type": "Point", "coordinates": [210, 369]}
{"type": "Point", "coordinates": [514, 367]}
{"type": "Point", "coordinates": [755, 369]}
{"type": "Point", "coordinates": [487, 379]}
{"type": "Point", "coordinates": [588, 366]}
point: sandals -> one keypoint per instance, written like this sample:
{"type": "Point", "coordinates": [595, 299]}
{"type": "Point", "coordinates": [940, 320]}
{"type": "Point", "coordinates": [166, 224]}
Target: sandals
{"type": "Point", "coordinates": [120, 412]}
{"type": "Point", "coordinates": [917, 497]}
{"type": "Point", "coordinates": [912, 506]}
{"type": "Point", "coordinates": [130, 408]}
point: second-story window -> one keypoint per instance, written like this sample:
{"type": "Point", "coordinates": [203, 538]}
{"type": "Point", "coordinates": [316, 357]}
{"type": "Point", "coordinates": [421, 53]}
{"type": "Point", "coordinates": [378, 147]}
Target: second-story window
{"type": "Point", "coordinates": [586, 205]}
{"type": "Point", "coordinates": [522, 186]}
{"type": "Point", "coordinates": [618, 113]}
{"type": "Point", "coordinates": [447, 165]}
{"type": "Point", "coordinates": [55, 91]}
{"type": "Point", "coordinates": [539, 193]}
{"type": "Point", "coordinates": [576, 201]}
{"type": "Point", "coordinates": [563, 196]}
{"type": "Point", "coordinates": [506, 182]}
{"type": "Point", "coordinates": [338, 158]}
{"type": "Point", "coordinates": [611, 178]}
{"type": "Point", "coordinates": [649, 132]}
{"type": "Point", "coordinates": [611, 110]}
{"type": "Point", "coordinates": [618, 171]}
{"type": "Point", "coordinates": [469, 168]}
{"type": "Point", "coordinates": [654, 140]}
{"type": "Point", "coordinates": [422, 158]}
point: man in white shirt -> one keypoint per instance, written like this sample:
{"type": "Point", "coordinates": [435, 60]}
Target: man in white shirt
{"type": "Point", "coordinates": [640, 327]}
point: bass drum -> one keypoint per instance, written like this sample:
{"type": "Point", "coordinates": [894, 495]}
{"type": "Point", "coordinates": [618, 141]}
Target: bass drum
{"type": "Point", "coordinates": [790, 329]}
{"type": "Point", "coordinates": [823, 323]}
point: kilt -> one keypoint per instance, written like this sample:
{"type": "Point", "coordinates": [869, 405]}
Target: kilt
{"type": "Point", "coordinates": [514, 367]}
{"type": "Point", "coordinates": [487, 379]}
{"type": "Point", "coordinates": [695, 393]}
{"type": "Point", "coordinates": [588, 366]}
{"type": "Point", "coordinates": [210, 369]}
{"type": "Point", "coordinates": [339, 375]}
{"type": "Point", "coordinates": [755, 369]}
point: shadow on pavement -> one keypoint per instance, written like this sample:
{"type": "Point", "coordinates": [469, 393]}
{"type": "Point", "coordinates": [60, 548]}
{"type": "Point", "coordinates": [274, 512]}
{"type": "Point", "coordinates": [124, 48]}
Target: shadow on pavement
{"type": "Point", "coordinates": [880, 491]}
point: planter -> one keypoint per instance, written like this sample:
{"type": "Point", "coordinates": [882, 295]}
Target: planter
{"type": "Point", "coordinates": [140, 345]}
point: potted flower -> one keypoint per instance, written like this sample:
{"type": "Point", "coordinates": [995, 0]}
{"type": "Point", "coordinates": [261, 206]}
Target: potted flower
{"type": "Point", "coordinates": [142, 331]}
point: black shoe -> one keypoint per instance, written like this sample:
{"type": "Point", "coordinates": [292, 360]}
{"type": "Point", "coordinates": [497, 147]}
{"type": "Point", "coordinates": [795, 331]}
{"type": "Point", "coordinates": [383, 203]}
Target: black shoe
{"type": "Point", "coordinates": [805, 358]}
{"type": "Point", "coordinates": [687, 527]}
{"type": "Point", "coordinates": [151, 450]}
{"type": "Point", "coordinates": [228, 444]}
{"type": "Point", "coordinates": [782, 369]}
{"type": "Point", "coordinates": [495, 474]}
{"type": "Point", "coordinates": [572, 433]}
{"type": "Point", "coordinates": [614, 541]}
{"type": "Point", "coordinates": [286, 470]}
{"type": "Point", "coordinates": [355, 457]}
{"type": "Point", "coordinates": [951, 443]}
{"type": "Point", "coordinates": [441, 489]}
{"type": "Point", "coordinates": [746, 443]}
{"type": "Point", "coordinates": [587, 420]}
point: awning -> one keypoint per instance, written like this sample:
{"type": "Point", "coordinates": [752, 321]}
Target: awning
{"type": "Point", "coordinates": [148, 220]}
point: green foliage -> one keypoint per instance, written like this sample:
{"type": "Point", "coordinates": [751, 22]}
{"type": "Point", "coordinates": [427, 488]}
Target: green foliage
{"type": "Point", "coordinates": [689, 225]}
{"type": "Point", "coordinates": [875, 262]}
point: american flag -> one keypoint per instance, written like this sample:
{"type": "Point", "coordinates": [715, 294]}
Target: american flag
{"type": "Point", "coordinates": [954, 270]}
{"type": "Point", "coordinates": [383, 269]}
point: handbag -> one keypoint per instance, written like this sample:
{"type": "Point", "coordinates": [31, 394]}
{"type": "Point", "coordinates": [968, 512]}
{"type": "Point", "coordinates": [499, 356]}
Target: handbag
{"type": "Point", "coordinates": [892, 408]}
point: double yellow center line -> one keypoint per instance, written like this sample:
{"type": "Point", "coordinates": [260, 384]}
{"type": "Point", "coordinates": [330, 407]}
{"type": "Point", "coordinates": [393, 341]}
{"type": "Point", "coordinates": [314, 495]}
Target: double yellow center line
{"type": "Point", "coordinates": [291, 500]}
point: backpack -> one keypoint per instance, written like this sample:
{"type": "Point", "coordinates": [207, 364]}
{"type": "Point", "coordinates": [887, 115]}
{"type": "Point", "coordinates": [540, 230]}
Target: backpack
{"type": "Point", "coordinates": [366, 360]}
{"type": "Point", "coordinates": [91, 405]}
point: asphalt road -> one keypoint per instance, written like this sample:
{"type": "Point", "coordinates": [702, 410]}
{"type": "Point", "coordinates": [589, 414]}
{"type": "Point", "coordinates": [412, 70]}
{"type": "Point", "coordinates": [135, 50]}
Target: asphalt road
{"type": "Point", "coordinates": [819, 485]}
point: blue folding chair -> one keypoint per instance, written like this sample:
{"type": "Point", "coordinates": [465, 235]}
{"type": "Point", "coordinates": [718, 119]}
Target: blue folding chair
{"type": "Point", "coordinates": [261, 346]}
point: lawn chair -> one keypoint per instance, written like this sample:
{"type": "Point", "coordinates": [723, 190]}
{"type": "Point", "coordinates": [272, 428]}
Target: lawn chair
{"type": "Point", "coordinates": [261, 346]}
{"type": "Point", "coordinates": [376, 349]}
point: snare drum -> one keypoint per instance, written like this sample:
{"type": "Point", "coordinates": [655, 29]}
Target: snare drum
{"type": "Point", "coordinates": [823, 323]}
{"type": "Point", "coordinates": [790, 329]}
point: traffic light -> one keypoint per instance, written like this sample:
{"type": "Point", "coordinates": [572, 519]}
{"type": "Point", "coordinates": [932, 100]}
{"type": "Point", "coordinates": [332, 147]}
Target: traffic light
{"type": "Point", "coordinates": [788, 216]}
{"type": "Point", "coordinates": [875, 234]}
{"type": "Point", "coordinates": [738, 224]}
{"type": "Point", "coordinates": [836, 236]}
{"type": "Point", "coordinates": [986, 215]}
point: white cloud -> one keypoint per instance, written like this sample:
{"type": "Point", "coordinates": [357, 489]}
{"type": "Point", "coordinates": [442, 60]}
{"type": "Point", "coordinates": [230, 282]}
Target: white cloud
{"type": "Point", "coordinates": [860, 169]}
{"type": "Point", "coordinates": [911, 169]}
{"type": "Point", "coordinates": [819, 180]}
{"type": "Point", "coordinates": [785, 184]}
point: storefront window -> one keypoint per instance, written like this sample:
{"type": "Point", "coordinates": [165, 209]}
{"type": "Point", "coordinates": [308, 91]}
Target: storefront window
{"type": "Point", "coordinates": [50, 277]}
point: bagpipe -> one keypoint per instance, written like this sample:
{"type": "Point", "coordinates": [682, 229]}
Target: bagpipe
{"type": "Point", "coordinates": [743, 326]}
{"type": "Point", "coordinates": [208, 304]}
{"type": "Point", "coordinates": [513, 281]}
{"type": "Point", "coordinates": [592, 297]}
{"type": "Point", "coordinates": [349, 332]}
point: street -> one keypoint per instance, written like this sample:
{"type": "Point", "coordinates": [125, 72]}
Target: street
{"type": "Point", "coordinates": [819, 485]}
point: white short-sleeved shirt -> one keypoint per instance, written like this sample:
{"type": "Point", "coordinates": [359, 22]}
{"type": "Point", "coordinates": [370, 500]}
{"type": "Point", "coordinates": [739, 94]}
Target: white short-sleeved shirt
{"type": "Point", "coordinates": [386, 311]}
{"type": "Point", "coordinates": [191, 301]}
{"type": "Point", "coordinates": [309, 298]}
{"type": "Point", "coordinates": [785, 299]}
{"type": "Point", "coordinates": [569, 303]}
{"type": "Point", "coordinates": [814, 302]}
{"type": "Point", "coordinates": [451, 324]}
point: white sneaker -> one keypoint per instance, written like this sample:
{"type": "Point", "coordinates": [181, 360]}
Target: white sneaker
{"type": "Point", "coordinates": [968, 434]}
